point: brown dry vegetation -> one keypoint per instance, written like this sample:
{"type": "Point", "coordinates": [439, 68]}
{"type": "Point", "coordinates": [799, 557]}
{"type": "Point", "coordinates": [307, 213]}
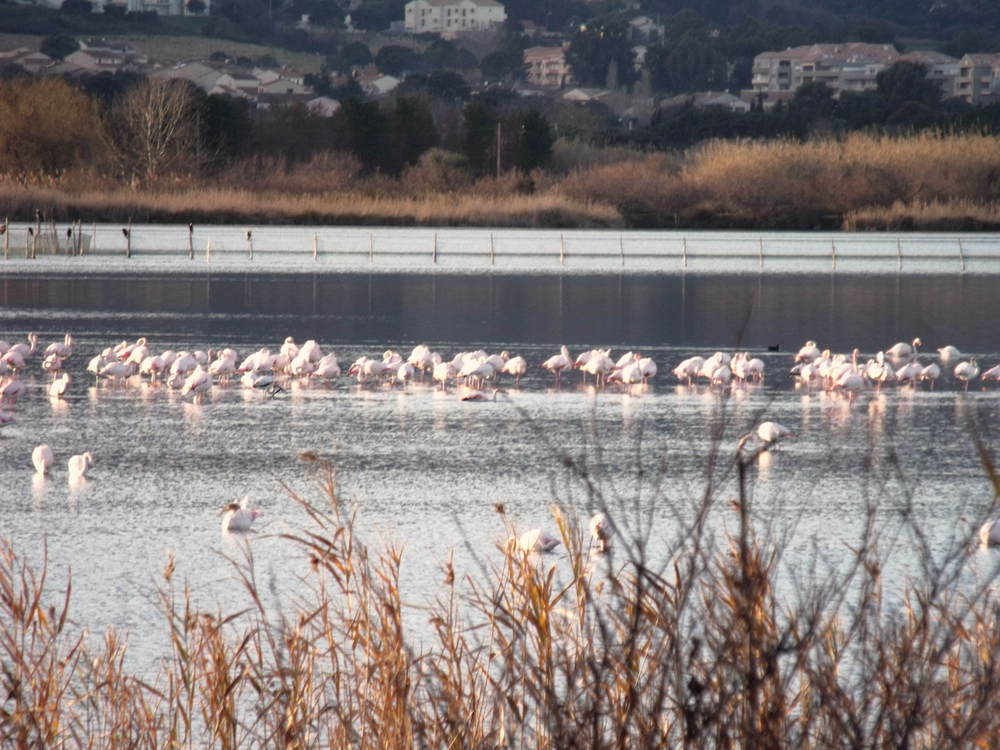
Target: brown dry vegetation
{"type": "Point", "coordinates": [699, 652]}
{"type": "Point", "coordinates": [79, 167]}
{"type": "Point", "coordinates": [817, 183]}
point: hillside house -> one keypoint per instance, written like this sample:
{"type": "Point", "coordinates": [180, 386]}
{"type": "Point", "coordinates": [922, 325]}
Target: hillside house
{"type": "Point", "coordinates": [26, 59]}
{"type": "Point", "coordinates": [546, 67]}
{"type": "Point", "coordinates": [451, 16]}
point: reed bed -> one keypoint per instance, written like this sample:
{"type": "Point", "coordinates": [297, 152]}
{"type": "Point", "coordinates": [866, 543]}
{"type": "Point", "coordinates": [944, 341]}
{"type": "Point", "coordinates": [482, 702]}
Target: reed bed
{"type": "Point", "coordinates": [926, 181]}
{"type": "Point", "coordinates": [224, 205]}
{"type": "Point", "coordinates": [955, 215]}
{"type": "Point", "coordinates": [817, 183]}
{"type": "Point", "coordinates": [683, 643]}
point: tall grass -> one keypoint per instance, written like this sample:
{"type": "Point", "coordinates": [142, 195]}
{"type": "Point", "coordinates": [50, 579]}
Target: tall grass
{"type": "Point", "coordinates": [687, 644]}
{"type": "Point", "coordinates": [813, 184]}
{"type": "Point", "coordinates": [930, 181]}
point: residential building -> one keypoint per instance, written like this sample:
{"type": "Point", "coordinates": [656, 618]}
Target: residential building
{"type": "Point", "coordinates": [708, 99]}
{"type": "Point", "coordinates": [979, 78]}
{"type": "Point", "coordinates": [843, 67]}
{"type": "Point", "coordinates": [547, 67]}
{"type": "Point", "coordinates": [164, 7]}
{"type": "Point", "coordinates": [205, 77]}
{"type": "Point", "coordinates": [26, 59]}
{"type": "Point", "coordinates": [441, 16]}
{"type": "Point", "coordinates": [96, 57]}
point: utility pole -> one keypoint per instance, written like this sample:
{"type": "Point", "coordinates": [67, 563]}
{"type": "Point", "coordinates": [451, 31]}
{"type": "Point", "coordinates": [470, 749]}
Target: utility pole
{"type": "Point", "coordinates": [498, 148]}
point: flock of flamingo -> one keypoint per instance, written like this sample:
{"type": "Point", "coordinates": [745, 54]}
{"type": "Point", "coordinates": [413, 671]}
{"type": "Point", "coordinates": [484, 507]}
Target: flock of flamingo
{"type": "Point", "coordinates": [476, 375]}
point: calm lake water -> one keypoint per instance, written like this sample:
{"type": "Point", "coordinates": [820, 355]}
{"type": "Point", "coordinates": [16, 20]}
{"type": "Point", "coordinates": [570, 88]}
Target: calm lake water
{"type": "Point", "coordinates": [425, 469]}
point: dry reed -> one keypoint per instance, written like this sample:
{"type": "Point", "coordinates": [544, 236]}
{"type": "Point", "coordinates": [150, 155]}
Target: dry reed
{"type": "Point", "coordinates": [691, 646]}
{"type": "Point", "coordinates": [926, 181]}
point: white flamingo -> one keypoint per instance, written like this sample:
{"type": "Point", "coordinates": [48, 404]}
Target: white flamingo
{"type": "Point", "coordinates": [930, 374]}
{"type": "Point", "coordinates": [327, 367]}
{"type": "Point", "coordinates": [79, 465]}
{"type": "Point", "coordinates": [515, 366]}
{"type": "Point", "coordinates": [533, 541]}
{"type": "Point", "coordinates": [966, 371]}
{"type": "Point", "coordinates": [239, 516]}
{"type": "Point", "coordinates": [478, 395]}
{"type": "Point", "coordinates": [60, 385]}
{"type": "Point", "coordinates": [902, 350]}
{"type": "Point", "coordinates": [558, 362]}
{"type": "Point", "coordinates": [808, 352]}
{"type": "Point", "coordinates": [689, 369]}
{"type": "Point", "coordinates": [61, 349]}
{"type": "Point", "coordinates": [601, 531]}
{"type": "Point", "coordinates": [404, 373]}
{"type": "Point", "coordinates": [197, 382]}
{"type": "Point", "coordinates": [11, 388]}
{"type": "Point", "coordinates": [948, 353]}
{"type": "Point", "coordinates": [989, 534]}
{"type": "Point", "coordinates": [769, 433]}
{"type": "Point", "coordinates": [42, 458]}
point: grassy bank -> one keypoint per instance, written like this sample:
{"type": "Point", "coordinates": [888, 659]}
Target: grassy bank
{"type": "Point", "coordinates": [686, 645]}
{"type": "Point", "coordinates": [862, 182]}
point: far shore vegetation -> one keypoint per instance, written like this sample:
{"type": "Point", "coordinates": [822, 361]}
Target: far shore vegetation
{"type": "Point", "coordinates": [158, 151]}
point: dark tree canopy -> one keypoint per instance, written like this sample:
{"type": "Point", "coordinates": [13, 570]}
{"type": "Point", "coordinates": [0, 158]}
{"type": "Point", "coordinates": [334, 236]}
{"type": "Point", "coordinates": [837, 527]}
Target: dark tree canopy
{"type": "Point", "coordinates": [534, 144]}
{"type": "Point", "coordinates": [396, 60]}
{"type": "Point", "coordinates": [598, 50]}
{"type": "Point", "coordinates": [906, 82]}
{"type": "Point", "coordinates": [58, 46]}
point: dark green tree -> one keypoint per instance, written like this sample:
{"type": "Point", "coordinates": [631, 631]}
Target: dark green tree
{"type": "Point", "coordinates": [690, 65]}
{"type": "Point", "coordinates": [377, 15]}
{"type": "Point", "coordinates": [534, 143]}
{"type": "Point", "coordinates": [77, 6]}
{"type": "Point", "coordinates": [443, 85]}
{"type": "Point", "coordinates": [502, 64]}
{"type": "Point", "coordinates": [411, 132]}
{"type": "Point", "coordinates": [906, 82]}
{"type": "Point", "coordinates": [813, 100]}
{"type": "Point", "coordinates": [106, 86]}
{"type": "Point", "coordinates": [361, 128]}
{"type": "Point", "coordinates": [594, 47]}
{"type": "Point", "coordinates": [227, 130]}
{"type": "Point", "coordinates": [396, 60]}
{"type": "Point", "coordinates": [356, 54]}
{"type": "Point", "coordinates": [58, 46]}
{"type": "Point", "coordinates": [480, 128]}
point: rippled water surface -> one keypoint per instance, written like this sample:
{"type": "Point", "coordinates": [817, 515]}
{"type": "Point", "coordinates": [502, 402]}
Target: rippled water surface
{"type": "Point", "coordinates": [424, 469]}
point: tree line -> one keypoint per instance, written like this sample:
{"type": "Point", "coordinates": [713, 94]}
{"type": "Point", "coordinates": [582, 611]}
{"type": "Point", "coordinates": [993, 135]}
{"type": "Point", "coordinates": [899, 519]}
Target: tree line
{"type": "Point", "coordinates": [145, 131]}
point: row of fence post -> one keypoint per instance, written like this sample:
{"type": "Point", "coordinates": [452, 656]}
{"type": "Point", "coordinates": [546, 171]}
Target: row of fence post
{"type": "Point", "coordinates": [75, 245]}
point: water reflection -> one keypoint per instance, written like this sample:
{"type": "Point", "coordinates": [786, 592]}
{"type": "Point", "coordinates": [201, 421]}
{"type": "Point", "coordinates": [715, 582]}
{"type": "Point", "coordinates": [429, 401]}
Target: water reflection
{"type": "Point", "coordinates": [712, 311]}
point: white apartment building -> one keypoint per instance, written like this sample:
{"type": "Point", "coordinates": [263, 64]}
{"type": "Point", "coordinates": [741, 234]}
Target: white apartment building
{"type": "Point", "coordinates": [164, 7]}
{"type": "Point", "coordinates": [979, 78]}
{"type": "Point", "coordinates": [450, 16]}
{"type": "Point", "coordinates": [842, 67]}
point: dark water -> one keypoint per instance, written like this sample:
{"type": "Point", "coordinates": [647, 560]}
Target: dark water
{"type": "Point", "coordinates": [842, 311]}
